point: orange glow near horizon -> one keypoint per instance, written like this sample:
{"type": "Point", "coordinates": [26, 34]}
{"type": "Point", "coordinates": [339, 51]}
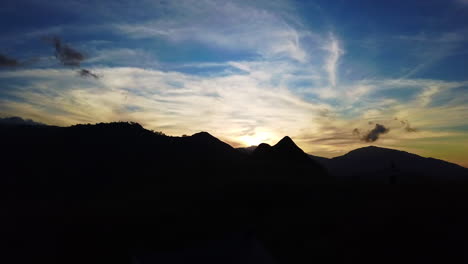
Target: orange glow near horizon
{"type": "Point", "coordinates": [256, 139]}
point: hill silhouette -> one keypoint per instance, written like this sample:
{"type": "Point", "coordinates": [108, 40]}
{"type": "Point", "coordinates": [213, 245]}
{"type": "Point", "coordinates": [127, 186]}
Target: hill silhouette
{"type": "Point", "coordinates": [119, 193]}
{"type": "Point", "coordinates": [247, 150]}
{"type": "Point", "coordinates": [15, 121]}
{"type": "Point", "coordinates": [285, 149]}
{"type": "Point", "coordinates": [380, 164]}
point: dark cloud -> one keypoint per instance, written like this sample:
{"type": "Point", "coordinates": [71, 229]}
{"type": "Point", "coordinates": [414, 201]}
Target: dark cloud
{"type": "Point", "coordinates": [64, 53]}
{"type": "Point", "coordinates": [87, 74]}
{"type": "Point", "coordinates": [16, 121]}
{"type": "Point", "coordinates": [407, 127]}
{"type": "Point", "coordinates": [356, 132]}
{"type": "Point", "coordinates": [8, 62]}
{"type": "Point", "coordinates": [374, 134]}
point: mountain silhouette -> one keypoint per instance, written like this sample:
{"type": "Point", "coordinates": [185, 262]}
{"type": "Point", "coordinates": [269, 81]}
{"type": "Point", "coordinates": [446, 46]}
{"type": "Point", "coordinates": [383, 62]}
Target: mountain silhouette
{"type": "Point", "coordinates": [287, 161]}
{"type": "Point", "coordinates": [262, 149]}
{"type": "Point", "coordinates": [247, 150]}
{"type": "Point", "coordinates": [285, 149]}
{"type": "Point", "coordinates": [379, 164]}
{"type": "Point", "coordinates": [95, 179]}
{"type": "Point", "coordinates": [119, 193]}
{"type": "Point", "coordinates": [203, 143]}
{"type": "Point", "coordinates": [15, 121]}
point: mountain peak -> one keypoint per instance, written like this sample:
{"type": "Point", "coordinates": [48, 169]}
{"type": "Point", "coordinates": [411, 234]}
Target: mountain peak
{"type": "Point", "coordinates": [286, 140]}
{"type": "Point", "coordinates": [262, 147]}
{"type": "Point", "coordinates": [202, 134]}
{"type": "Point", "coordinates": [204, 137]}
{"type": "Point", "coordinates": [373, 150]}
{"type": "Point", "coordinates": [287, 144]}
{"type": "Point", "coordinates": [284, 149]}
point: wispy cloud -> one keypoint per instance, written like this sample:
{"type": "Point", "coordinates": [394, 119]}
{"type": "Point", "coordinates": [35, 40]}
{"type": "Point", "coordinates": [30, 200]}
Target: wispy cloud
{"type": "Point", "coordinates": [332, 62]}
{"type": "Point", "coordinates": [268, 74]}
{"type": "Point", "coordinates": [232, 106]}
{"type": "Point", "coordinates": [238, 103]}
{"type": "Point", "coordinates": [122, 57]}
{"type": "Point", "coordinates": [233, 25]}
{"type": "Point", "coordinates": [429, 49]}
{"type": "Point", "coordinates": [407, 126]}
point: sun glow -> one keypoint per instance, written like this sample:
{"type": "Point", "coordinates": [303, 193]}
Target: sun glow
{"type": "Point", "coordinates": [256, 139]}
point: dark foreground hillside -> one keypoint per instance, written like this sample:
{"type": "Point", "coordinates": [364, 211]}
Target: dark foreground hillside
{"type": "Point", "coordinates": [117, 193]}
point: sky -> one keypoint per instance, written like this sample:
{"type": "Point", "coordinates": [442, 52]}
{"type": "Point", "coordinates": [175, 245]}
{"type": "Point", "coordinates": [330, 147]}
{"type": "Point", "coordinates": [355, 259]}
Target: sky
{"type": "Point", "coordinates": [332, 75]}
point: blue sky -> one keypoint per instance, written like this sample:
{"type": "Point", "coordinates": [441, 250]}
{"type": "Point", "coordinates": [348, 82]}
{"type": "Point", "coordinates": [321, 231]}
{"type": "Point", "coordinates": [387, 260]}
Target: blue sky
{"type": "Point", "coordinates": [248, 71]}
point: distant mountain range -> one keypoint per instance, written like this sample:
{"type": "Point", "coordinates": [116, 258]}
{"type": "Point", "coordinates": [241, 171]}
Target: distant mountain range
{"type": "Point", "coordinates": [376, 164]}
{"type": "Point", "coordinates": [364, 164]}
{"type": "Point", "coordinates": [118, 193]}
{"type": "Point", "coordinates": [15, 120]}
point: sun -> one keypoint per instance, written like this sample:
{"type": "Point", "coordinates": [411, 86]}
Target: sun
{"type": "Point", "coordinates": [256, 139]}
